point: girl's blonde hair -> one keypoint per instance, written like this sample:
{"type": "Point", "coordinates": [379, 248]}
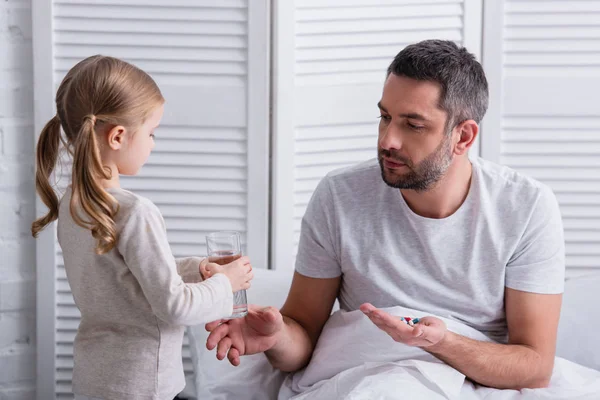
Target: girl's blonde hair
{"type": "Point", "coordinates": [98, 92]}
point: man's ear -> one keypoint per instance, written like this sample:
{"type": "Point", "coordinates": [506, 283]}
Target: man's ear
{"type": "Point", "coordinates": [467, 133]}
{"type": "Point", "coordinates": [116, 137]}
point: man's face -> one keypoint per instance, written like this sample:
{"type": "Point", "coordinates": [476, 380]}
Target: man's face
{"type": "Point", "coordinates": [414, 149]}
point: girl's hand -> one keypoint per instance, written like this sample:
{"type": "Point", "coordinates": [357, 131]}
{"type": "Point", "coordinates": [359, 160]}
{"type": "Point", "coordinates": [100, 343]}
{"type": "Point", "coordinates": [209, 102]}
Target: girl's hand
{"type": "Point", "coordinates": [208, 269]}
{"type": "Point", "coordinates": [239, 272]}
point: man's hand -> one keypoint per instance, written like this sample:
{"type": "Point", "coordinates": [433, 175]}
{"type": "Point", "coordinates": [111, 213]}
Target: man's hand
{"type": "Point", "coordinates": [255, 333]}
{"type": "Point", "coordinates": [427, 332]}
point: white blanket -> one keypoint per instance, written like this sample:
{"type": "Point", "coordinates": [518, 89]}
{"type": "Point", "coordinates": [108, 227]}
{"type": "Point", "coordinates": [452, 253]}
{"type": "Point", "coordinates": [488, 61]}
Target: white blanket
{"type": "Point", "coordinates": [355, 360]}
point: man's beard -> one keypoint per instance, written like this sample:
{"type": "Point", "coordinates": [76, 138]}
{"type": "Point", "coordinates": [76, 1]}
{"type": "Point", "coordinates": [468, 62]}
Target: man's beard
{"type": "Point", "coordinates": [420, 177]}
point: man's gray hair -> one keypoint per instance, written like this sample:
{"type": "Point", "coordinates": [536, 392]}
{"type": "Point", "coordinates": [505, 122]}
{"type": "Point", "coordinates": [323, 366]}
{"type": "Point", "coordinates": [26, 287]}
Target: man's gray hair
{"type": "Point", "coordinates": [464, 87]}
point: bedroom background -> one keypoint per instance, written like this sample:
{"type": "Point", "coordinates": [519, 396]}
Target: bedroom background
{"type": "Point", "coordinates": [263, 99]}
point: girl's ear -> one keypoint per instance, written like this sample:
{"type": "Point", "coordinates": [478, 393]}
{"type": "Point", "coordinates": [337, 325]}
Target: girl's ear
{"type": "Point", "coordinates": [116, 137]}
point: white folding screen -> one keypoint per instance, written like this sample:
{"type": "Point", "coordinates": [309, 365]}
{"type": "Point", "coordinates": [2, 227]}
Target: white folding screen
{"type": "Point", "coordinates": [542, 62]}
{"type": "Point", "coordinates": [328, 75]}
{"type": "Point", "coordinates": [209, 170]}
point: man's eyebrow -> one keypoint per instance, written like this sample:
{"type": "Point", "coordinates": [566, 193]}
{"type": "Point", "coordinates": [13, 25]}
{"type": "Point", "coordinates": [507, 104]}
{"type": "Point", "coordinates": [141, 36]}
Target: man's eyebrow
{"type": "Point", "coordinates": [406, 115]}
{"type": "Point", "coordinates": [414, 116]}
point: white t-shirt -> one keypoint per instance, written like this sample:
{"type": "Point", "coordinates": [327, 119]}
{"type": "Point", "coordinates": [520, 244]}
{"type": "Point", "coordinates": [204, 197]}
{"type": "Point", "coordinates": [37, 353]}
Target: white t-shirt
{"type": "Point", "coordinates": [507, 233]}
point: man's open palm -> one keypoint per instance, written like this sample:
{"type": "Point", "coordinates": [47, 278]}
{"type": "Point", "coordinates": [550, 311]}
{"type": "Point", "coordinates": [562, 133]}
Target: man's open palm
{"type": "Point", "coordinates": [428, 332]}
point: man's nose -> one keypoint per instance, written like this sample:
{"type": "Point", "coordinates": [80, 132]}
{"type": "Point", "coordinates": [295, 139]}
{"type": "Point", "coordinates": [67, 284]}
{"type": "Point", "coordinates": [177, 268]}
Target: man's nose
{"type": "Point", "coordinates": [390, 138]}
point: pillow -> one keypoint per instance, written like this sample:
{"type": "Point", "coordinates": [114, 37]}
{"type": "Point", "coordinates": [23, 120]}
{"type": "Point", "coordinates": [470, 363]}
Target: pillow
{"type": "Point", "coordinates": [254, 378]}
{"type": "Point", "coordinates": [580, 322]}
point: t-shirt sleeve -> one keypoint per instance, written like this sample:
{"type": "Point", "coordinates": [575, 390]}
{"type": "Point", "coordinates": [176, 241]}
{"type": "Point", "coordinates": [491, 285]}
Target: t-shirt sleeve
{"type": "Point", "coordinates": [538, 263]}
{"type": "Point", "coordinates": [318, 256]}
{"type": "Point", "coordinates": [144, 246]}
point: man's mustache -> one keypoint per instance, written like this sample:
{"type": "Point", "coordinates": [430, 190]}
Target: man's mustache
{"type": "Point", "coordinates": [394, 157]}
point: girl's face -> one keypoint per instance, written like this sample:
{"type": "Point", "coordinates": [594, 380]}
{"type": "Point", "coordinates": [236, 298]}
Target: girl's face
{"type": "Point", "coordinates": [139, 144]}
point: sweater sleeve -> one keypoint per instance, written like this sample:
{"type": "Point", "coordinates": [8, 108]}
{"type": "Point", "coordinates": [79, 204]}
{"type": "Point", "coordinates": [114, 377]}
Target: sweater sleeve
{"type": "Point", "coordinates": [144, 246]}
{"type": "Point", "coordinates": [189, 269]}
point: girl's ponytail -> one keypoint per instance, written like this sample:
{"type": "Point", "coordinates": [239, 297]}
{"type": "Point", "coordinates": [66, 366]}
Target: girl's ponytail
{"type": "Point", "coordinates": [46, 157]}
{"type": "Point", "coordinates": [91, 206]}
{"type": "Point", "coordinates": [99, 89]}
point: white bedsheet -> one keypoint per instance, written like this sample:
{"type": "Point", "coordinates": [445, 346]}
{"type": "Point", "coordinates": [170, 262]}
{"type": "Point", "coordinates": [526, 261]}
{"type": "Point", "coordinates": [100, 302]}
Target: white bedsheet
{"type": "Point", "coordinates": [355, 360]}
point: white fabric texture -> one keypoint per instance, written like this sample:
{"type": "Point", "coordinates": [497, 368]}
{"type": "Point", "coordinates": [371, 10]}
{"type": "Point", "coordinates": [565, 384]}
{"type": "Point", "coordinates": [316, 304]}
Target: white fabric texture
{"type": "Point", "coordinates": [255, 378]}
{"type": "Point", "coordinates": [271, 288]}
{"type": "Point", "coordinates": [355, 360]}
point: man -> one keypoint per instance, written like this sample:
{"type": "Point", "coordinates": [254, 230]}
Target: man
{"type": "Point", "coordinates": [425, 228]}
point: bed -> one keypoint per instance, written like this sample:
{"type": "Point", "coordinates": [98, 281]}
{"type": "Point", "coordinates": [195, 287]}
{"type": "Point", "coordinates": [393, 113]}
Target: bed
{"type": "Point", "coordinates": [256, 379]}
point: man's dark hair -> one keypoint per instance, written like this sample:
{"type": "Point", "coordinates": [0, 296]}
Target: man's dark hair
{"type": "Point", "coordinates": [464, 93]}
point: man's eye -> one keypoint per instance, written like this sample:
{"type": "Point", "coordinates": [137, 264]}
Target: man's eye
{"type": "Point", "coordinates": [415, 127]}
{"type": "Point", "coordinates": [385, 117]}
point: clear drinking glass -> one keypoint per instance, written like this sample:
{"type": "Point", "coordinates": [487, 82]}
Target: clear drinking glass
{"type": "Point", "coordinates": [223, 248]}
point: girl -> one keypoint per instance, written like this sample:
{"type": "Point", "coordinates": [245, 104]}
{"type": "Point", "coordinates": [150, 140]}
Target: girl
{"type": "Point", "coordinates": [134, 297]}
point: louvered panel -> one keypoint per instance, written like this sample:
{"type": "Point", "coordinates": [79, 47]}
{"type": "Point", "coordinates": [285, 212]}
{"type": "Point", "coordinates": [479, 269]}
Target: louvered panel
{"type": "Point", "coordinates": [175, 145]}
{"type": "Point", "coordinates": [354, 42]}
{"type": "Point", "coordinates": [221, 133]}
{"type": "Point", "coordinates": [563, 153]}
{"type": "Point", "coordinates": [552, 37]}
{"type": "Point", "coordinates": [186, 185]}
{"type": "Point", "coordinates": [160, 3]}
{"type": "Point", "coordinates": [562, 7]}
{"type": "Point", "coordinates": [203, 211]}
{"type": "Point", "coordinates": [223, 47]}
{"type": "Point", "coordinates": [171, 194]}
{"type": "Point", "coordinates": [161, 159]}
{"type": "Point", "coordinates": [148, 12]}
{"type": "Point", "coordinates": [551, 60]}
{"type": "Point", "coordinates": [155, 171]}
{"type": "Point", "coordinates": [208, 160]}
{"type": "Point", "coordinates": [160, 197]}
{"type": "Point", "coordinates": [342, 51]}
{"type": "Point", "coordinates": [204, 44]}
{"type": "Point", "coordinates": [300, 4]}
{"type": "Point", "coordinates": [582, 224]}
{"type": "Point", "coordinates": [551, 148]}
{"type": "Point", "coordinates": [334, 158]}
{"type": "Point", "coordinates": [545, 160]}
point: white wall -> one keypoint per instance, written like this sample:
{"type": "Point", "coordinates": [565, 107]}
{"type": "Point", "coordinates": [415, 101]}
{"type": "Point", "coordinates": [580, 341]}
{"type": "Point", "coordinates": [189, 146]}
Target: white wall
{"type": "Point", "coordinates": [17, 248]}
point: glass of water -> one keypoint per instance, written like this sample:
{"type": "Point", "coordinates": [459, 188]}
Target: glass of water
{"type": "Point", "coordinates": [224, 248]}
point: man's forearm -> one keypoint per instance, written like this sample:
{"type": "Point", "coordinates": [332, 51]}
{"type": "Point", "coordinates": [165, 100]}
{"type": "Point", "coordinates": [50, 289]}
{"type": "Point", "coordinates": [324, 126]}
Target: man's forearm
{"type": "Point", "coordinates": [496, 365]}
{"type": "Point", "coordinates": [294, 348]}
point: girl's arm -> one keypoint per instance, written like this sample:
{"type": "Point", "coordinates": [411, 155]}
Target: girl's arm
{"type": "Point", "coordinates": [189, 269]}
{"type": "Point", "coordinates": [145, 249]}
